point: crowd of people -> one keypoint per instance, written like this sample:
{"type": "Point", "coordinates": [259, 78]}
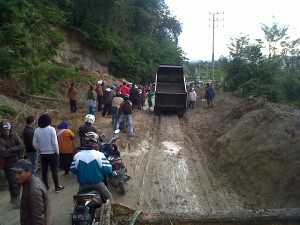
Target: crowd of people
{"type": "Point", "coordinates": [55, 147]}
{"type": "Point", "coordinates": [114, 101]}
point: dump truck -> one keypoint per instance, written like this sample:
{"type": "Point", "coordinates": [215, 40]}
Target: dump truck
{"type": "Point", "coordinates": [170, 90]}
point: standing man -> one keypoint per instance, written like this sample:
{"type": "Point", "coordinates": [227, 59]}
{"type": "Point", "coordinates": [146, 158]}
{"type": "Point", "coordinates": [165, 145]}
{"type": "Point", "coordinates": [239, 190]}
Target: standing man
{"type": "Point", "coordinates": [108, 96]}
{"type": "Point", "coordinates": [31, 152]}
{"type": "Point", "coordinates": [11, 148]}
{"type": "Point", "coordinates": [91, 100]}
{"type": "Point", "coordinates": [35, 206]}
{"type": "Point", "coordinates": [45, 141]}
{"type": "Point", "coordinates": [72, 93]}
{"type": "Point", "coordinates": [124, 89]}
{"type": "Point", "coordinates": [192, 97]}
{"type": "Point", "coordinates": [99, 91]}
{"type": "Point", "coordinates": [125, 114]}
{"type": "Point", "coordinates": [116, 102]}
{"type": "Point", "coordinates": [209, 94]}
{"type": "Point", "coordinates": [135, 97]}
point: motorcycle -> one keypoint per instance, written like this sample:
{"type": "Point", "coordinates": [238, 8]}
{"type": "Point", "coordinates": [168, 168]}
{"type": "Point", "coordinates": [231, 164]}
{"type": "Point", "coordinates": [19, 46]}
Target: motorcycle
{"type": "Point", "coordinates": [118, 177]}
{"type": "Point", "coordinates": [90, 209]}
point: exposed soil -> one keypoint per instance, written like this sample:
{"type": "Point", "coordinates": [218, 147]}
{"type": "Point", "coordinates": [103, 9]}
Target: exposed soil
{"type": "Point", "coordinates": [241, 154]}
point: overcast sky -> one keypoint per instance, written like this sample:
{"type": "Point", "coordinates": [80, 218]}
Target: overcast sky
{"type": "Point", "coordinates": [240, 16]}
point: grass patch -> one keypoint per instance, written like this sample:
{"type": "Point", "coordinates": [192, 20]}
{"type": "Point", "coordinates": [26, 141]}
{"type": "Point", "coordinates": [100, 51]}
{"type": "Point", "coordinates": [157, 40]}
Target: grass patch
{"type": "Point", "coordinates": [6, 109]}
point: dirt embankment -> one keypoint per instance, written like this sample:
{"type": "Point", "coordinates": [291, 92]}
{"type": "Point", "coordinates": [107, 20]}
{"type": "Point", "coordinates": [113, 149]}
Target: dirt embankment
{"type": "Point", "coordinates": [238, 155]}
{"type": "Point", "coordinates": [253, 146]}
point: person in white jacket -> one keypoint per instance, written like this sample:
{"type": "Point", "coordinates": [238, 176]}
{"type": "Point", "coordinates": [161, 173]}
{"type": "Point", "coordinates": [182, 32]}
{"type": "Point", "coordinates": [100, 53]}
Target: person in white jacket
{"type": "Point", "coordinates": [192, 96]}
{"type": "Point", "coordinates": [45, 141]}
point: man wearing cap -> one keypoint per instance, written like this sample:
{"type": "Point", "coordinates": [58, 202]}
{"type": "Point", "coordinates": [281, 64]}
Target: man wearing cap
{"type": "Point", "coordinates": [35, 206]}
{"type": "Point", "coordinates": [11, 148]}
{"type": "Point", "coordinates": [99, 91]}
{"type": "Point", "coordinates": [108, 96]}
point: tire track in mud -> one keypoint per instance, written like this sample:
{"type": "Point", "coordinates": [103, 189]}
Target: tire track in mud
{"type": "Point", "coordinates": [169, 171]}
{"type": "Point", "coordinates": [161, 173]}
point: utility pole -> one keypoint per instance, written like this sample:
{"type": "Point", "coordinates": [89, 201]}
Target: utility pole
{"type": "Point", "coordinates": [199, 71]}
{"type": "Point", "coordinates": [214, 19]}
{"type": "Point", "coordinates": [207, 68]}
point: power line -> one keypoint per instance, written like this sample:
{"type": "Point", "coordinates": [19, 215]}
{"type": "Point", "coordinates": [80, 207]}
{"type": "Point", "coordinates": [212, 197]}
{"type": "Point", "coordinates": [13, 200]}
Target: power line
{"type": "Point", "coordinates": [214, 19]}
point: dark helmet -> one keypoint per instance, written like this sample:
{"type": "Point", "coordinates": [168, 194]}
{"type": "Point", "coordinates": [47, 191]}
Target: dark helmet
{"type": "Point", "coordinates": [126, 97]}
{"type": "Point", "coordinates": [5, 125]}
{"type": "Point", "coordinates": [91, 138]}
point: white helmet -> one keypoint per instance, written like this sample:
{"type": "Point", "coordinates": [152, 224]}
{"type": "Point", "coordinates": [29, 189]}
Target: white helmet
{"type": "Point", "coordinates": [89, 118]}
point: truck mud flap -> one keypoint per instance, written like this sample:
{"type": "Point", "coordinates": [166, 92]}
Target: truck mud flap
{"type": "Point", "coordinates": [157, 111]}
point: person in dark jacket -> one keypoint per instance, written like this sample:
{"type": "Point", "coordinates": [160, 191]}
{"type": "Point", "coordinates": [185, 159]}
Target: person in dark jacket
{"type": "Point", "coordinates": [11, 148]}
{"type": "Point", "coordinates": [31, 152]}
{"type": "Point", "coordinates": [88, 127]}
{"type": "Point", "coordinates": [91, 100]}
{"type": "Point", "coordinates": [135, 97]}
{"type": "Point", "coordinates": [209, 94]}
{"type": "Point", "coordinates": [99, 91]}
{"type": "Point", "coordinates": [108, 96]}
{"type": "Point", "coordinates": [35, 206]}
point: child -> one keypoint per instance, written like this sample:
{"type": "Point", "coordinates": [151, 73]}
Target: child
{"type": "Point", "coordinates": [149, 97]}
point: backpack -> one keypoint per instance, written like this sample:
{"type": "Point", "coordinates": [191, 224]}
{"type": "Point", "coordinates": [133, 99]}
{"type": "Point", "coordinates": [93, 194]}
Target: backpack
{"type": "Point", "coordinates": [127, 108]}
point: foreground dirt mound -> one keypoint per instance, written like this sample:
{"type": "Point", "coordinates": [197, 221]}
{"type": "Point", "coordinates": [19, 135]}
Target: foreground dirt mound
{"type": "Point", "coordinates": [253, 146]}
{"type": "Point", "coordinates": [260, 154]}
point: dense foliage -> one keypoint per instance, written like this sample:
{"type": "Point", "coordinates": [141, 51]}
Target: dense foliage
{"type": "Point", "coordinates": [137, 34]}
{"type": "Point", "coordinates": [140, 34]}
{"type": "Point", "coordinates": [28, 41]}
{"type": "Point", "coordinates": [276, 76]}
{"type": "Point", "coordinates": [251, 71]}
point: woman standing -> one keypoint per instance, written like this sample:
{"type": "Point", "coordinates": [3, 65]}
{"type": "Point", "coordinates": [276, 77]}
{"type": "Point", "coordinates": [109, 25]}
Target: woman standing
{"type": "Point", "coordinates": [45, 141]}
{"type": "Point", "coordinates": [65, 139]}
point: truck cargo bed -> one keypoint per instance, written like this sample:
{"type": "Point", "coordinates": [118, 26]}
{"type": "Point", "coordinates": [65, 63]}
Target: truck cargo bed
{"type": "Point", "coordinates": [171, 88]}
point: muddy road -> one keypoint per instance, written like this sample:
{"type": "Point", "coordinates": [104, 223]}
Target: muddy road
{"type": "Point", "coordinates": [169, 173]}
{"type": "Point", "coordinates": [185, 165]}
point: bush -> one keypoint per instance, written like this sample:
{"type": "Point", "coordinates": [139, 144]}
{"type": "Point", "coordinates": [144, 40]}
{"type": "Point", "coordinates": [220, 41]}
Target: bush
{"type": "Point", "coordinates": [6, 109]}
{"type": "Point", "coordinates": [255, 88]}
{"type": "Point", "coordinates": [41, 79]}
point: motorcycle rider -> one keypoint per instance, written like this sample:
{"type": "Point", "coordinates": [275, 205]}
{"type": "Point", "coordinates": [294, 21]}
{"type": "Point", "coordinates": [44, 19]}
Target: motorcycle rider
{"type": "Point", "coordinates": [11, 148]}
{"type": "Point", "coordinates": [89, 120]}
{"type": "Point", "coordinates": [90, 166]}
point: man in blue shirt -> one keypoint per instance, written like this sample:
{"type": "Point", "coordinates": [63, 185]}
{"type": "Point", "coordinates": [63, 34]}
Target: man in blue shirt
{"type": "Point", "coordinates": [90, 166]}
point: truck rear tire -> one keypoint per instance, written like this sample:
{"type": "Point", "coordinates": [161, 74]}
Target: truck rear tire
{"type": "Point", "coordinates": [181, 113]}
{"type": "Point", "coordinates": [156, 111]}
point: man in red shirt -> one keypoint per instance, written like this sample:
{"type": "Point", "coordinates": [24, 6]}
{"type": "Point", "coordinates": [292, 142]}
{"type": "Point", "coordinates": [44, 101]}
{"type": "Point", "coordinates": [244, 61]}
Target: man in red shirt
{"type": "Point", "coordinates": [124, 89]}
